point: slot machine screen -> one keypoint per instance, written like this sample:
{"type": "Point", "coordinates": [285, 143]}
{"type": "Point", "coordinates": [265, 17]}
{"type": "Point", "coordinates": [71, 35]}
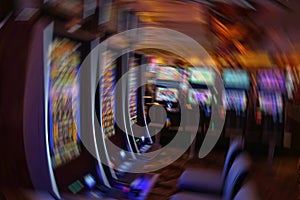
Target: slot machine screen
{"type": "Point", "coordinates": [168, 73]}
{"type": "Point", "coordinates": [270, 103]}
{"type": "Point", "coordinates": [65, 60]}
{"type": "Point", "coordinates": [132, 87]}
{"type": "Point", "coordinates": [108, 97]}
{"type": "Point", "coordinates": [167, 94]}
{"type": "Point", "coordinates": [201, 76]}
{"type": "Point", "coordinates": [235, 100]}
{"type": "Point", "coordinates": [271, 80]}
{"type": "Point", "coordinates": [201, 97]}
{"type": "Point", "coordinates": [236, 78]}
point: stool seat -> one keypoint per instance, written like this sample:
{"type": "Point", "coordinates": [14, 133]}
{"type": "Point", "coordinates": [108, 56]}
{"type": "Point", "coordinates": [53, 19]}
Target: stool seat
{"type": "Point", "coordinates": [210, 181]}
{"type": "Point", "coordinates": [194, 196]}
{"type": "Point", "coordinates": [204, 181]}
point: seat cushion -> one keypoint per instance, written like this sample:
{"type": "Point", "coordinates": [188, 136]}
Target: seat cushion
{"type": "Point", "coordinates": [194, 196]}
{"type": "Point", "coordinates": [204, 181]}
{"type": "Point", "coordinates": [248, 192]}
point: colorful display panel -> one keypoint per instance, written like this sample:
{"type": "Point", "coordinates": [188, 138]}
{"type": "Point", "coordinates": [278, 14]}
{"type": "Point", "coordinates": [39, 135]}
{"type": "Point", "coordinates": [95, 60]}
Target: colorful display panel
{"type": "Point", "coordinates": [201, 97]}
{"type": "Point", "coordinates": [108, 96]}
{"type": "Point", "coordinates": [271, 80]}
{"type": "Point", "coordinates": [201, 76]}
{"type": "Point", "coordinates": [168, 73]}
{"type": "Point", "coordinates": [235, 100]}
{"type": "Point", "coordinates": [65, 59]}
{"type": "Point", "coordinates": [236, 78]}
{"type": "Point", "coordinates": [270, 104]}
{"type": "Point", "coordinates": [167, 94]}
{"type": "Point", "coordinates": [132, 86]}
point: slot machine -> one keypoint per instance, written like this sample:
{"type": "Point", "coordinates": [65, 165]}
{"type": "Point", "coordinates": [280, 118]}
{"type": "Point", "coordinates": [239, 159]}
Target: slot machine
{"type": "Point", "coordinates": [271, 104]}
{"type": "Point", "coordinates": [201, 79]}
{"type": "Point", "coordinates": [167, 93]}
{"type": "Point", "coordinates": [112, 104]}
{"type": "Point", "coordinates": [135, 97]}
{"type": "Point", "coordinates": [67, 169]}
{"type": "Point", "coordinates": [66, 149]}
{"type": "Point", "coordinates": [237, 84]}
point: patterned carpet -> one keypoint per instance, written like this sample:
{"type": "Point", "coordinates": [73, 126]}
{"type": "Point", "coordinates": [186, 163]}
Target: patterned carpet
{"type": "Point", "coordinates": [276, 181]}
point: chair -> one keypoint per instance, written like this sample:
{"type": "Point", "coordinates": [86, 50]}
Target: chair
{"type": "Point", "coordinates": [209, 181]}
{"type": "Point", "coordinates": [158, 121]}
{"type": "Point", "coordinates": [234, 180]}
{"type": "Point", "coordinates": [248, 192]}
